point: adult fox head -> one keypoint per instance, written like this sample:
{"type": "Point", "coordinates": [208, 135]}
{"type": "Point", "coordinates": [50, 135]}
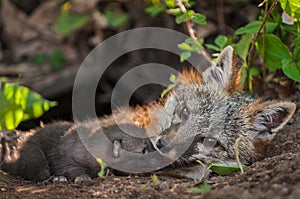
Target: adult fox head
{"type": "Point", "coordinates": [210, 109]}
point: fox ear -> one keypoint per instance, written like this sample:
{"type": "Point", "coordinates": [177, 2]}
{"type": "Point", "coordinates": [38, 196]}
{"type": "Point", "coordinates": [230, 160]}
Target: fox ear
{"type": "Point", "coordinates": [224, 72]}
{"type": "Point", "coordinates": [271, 116]}
{"type": "Point", "coordinates": [268, 118]}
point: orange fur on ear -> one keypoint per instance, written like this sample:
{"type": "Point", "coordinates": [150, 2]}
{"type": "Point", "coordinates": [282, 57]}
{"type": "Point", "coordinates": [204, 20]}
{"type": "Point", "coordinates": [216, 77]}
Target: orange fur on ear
{"type": "Point", "coordinates": [189, 76]}
{"type": "Point", "coordinates": [234, 84]}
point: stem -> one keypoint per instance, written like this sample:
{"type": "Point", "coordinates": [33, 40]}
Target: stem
{"type": "Point", "coordinates": [259, 29]}
{"type": "Point", "coordinates": [192, 32]}
{"type": "Point", "coordinates": [264, 51]}
{"type": "Point", "coordinates": [236, 149]}
{"type": "Point", "coordinates": [188, 22]}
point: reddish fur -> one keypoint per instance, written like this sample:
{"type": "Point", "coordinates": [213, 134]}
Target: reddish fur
{"type": "Point", "coordinates": [189, 76]}
{"type": "Point", "coordinates": [251, 108]}
{"type": "Point", "coordinates": [235, 84]}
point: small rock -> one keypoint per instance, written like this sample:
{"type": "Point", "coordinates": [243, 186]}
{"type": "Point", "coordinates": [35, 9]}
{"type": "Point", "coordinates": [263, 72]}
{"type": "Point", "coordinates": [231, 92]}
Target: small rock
{"type": "Point", "coordinates": [164, 186]}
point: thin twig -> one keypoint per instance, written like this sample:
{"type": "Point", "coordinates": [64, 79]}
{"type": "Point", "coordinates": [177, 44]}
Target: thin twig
{"type": "Point", "coordinates": [236, 150]}
{"type": "Point", "coordinates": [188, 22]}
{"type": "Point", "coordinates": [259, 29]}
{"type": "Point", "coordinates": [264, 51]}
{"type": "Point", "coordinates": [192, 32]}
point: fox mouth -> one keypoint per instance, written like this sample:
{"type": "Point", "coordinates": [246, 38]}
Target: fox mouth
{"type": "Point", "coordinates": [203, 149]}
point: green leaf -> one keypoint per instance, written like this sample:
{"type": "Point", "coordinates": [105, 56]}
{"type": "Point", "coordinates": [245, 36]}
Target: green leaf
{"type": "Point", "coordinates": [275, 53]}
{"type": "Point", "coordinates": [189, 40]}
{"type": "Point", "coordinates": [154, 10]}
{"type": "Point", "coordinates": [292, 8]}
{"type": "Point", "coordinates": [252, 27]}
{"type": "Point", "coordinates": [170, 3]}
{"type": "Point", "coordinates": [115, 19]}
{"type": "Point", "coordinates": [221, 41]}
{"type": "Point", "coordinates": [199, 19]}
{"type": "Point", "coordinates": [68, 22]}
{"type": "Point", "coordinates": [172, 78]}
{"type": "Point", "coordinates": [185, 46]}
{"type": "Point", "coordinates": [56, 59]}
{"type": "Point", "coordinates": [101, 173]}
{"type": "Point", "coordinates": [223, 169]}
{"type": "Point", "coordinates": [185, 55]}
{"type": "Point", "coordinates": [296, 44]}
{"type": "Point", "coordinates": [190, 13]}
{"type": "Point", "coordinates": [254, 72]}
{"type": "Point", "coordinates": [181, 18]}
{"type": "Point", "coordinates": [174, 11]}
{"type": "Point", "coordinates": [33, 104]}
{"type": "Point", "coordinates": [155, 179]}
{"type": "Point", "coordinates": [242, 47]}
{"type": "Point", "coordinates": [291, 69]}
{"type": "Point", "coordinates": [165, 91]}
{"type": "Point", "coordinates": [18, 103]}
{"type": "Point", "coordinates": [39, 59]}
{"type": "Point", "coordinates": [204, 189]}
{"type": "Point", "coordinates": [213, 47]}
{"type": "Point", "coordinates": [244, 74]}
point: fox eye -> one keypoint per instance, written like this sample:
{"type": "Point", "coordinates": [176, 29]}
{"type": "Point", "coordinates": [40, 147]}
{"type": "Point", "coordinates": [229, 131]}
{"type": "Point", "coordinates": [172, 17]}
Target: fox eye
{"type": "Point", "coordinates": [210, 142]}
{"type": "Point", "coordinates": [184, 113]}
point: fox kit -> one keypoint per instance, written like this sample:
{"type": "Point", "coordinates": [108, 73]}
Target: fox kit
{"type": "Point", "coordinates": [207, 111]}
{"type": "Point", "coordinates": [211, 109]}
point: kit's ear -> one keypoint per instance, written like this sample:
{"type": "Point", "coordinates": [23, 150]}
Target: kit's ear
{"type": "Point", "coordinates": [268, 118]}
{"type": "Point", "coordinates": [225, 72]}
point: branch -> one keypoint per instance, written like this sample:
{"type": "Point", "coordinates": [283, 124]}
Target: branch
{"type": "Point", "coordinates": [260, 28]}
{"type": "Point", "coordinates": [188, 22]}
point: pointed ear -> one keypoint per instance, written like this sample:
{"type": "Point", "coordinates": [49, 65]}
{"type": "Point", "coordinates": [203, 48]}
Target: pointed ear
{"type": "Point", "coordinates": [268, 118]}
{"type": "Point", "coordinates": [224, 72]}
{"type": "Point", "coordinates": [271, 116]}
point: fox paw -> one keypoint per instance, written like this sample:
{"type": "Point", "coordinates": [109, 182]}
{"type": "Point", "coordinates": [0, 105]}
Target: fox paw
{"type": "Point", "coordinates": [59, 179]}
{"type": "Point", "coordinates": [82, 178]}
{"type": "Point", "coordinates": [116, 149]}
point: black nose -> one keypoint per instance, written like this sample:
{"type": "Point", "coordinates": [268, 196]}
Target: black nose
{"type": "Point", "coordinates": [163, 145]}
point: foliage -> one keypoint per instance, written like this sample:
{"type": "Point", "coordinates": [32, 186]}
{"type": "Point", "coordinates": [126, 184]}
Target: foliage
{"type": "Point", "coordinates": [220, 43]}
{"type": "Point", "coordinates": [292, 8]}
{"type": "Point", "coordinates": [115, 19]}
{"type": "Point", "coordinates": [188, 46]}
{"type": "Point", "coordinates": [55, 59]}
{"type": "Point", "coordinates": [155, 181]}
{"type": "Point", "coordinates": [223, 169]}
{"type": "Point", "coordinates": [170, 87]}
{"type": "Point", "coordinates": [204, 189]}
{"type": "Point", "coordinates": [101, 173]}
{"type": "Point", "coordinates": [275, 35]}
{"type": "Point", "coordinates": [68, 22]}
{"type": "Point", "coordinates": [183, 14]}
{"type": "Point", "coordinates": [19, 103]}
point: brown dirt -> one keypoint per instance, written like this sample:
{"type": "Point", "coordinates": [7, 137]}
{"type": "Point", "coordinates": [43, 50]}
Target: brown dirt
{"type": "Point", "coordinates": [277, 176]}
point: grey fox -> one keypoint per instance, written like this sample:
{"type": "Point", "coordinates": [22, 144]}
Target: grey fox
{"type": "Point", "coordinates": [207, 108]}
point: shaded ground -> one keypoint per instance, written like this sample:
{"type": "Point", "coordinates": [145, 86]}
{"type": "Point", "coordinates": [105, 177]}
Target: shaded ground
{"type": "Point", "coordinates": [277, 176]}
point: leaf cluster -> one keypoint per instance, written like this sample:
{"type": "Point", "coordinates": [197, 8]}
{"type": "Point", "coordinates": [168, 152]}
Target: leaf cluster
{"type": "Point", "coordinates": [19, 103]}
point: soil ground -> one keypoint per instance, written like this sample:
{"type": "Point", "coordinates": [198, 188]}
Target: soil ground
{"type": "Point", "coordinates": [276, 176]}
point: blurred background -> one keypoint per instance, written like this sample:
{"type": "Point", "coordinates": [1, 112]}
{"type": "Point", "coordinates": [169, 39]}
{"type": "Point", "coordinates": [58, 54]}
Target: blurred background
{"type": "Point", "coordinates": [43, 42]}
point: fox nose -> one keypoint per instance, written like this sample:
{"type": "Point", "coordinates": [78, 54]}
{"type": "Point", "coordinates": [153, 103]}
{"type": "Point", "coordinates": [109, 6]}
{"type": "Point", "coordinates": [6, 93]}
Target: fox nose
{"type": "Point", "coordinates": [161, 143]}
